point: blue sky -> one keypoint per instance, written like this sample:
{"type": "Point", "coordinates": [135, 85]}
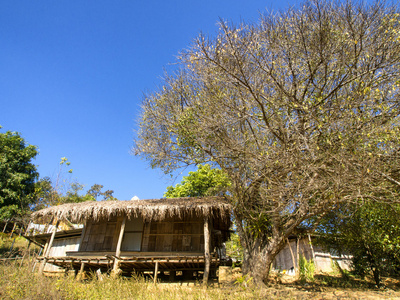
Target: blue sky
{"type": "Point", "coordinates": [73, 74]}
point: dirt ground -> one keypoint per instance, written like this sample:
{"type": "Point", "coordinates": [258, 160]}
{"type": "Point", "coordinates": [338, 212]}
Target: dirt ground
{"type": "Point", "coordinates": [325, 286]}
{"type": "Point", "coordinates": [333, 287]}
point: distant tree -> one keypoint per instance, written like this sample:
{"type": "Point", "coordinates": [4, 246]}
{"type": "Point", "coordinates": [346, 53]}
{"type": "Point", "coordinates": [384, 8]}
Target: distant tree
{"type": "Point", "coordinates": [49, 193]}
{"type": "Point", "coordinates": [370, 233]}
{"type": "Point", "coordinates": [95, 190]}
{"type": "Point", "coordinates": [17, 175]}
{"type": "Point", "coordinates": [45, 194]}
{"type": "Point", "coordinates": [108, 195]}
{"type": "Point", "coordinates": [206, 181]}
{"type": "Point", "coordinates": [73, 194]}
{"type": "Point", "coordinates": [301, 111]}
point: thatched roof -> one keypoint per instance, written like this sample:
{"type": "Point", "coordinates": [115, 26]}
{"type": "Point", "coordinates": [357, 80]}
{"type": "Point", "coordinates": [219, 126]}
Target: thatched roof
{"type": "Point", "coordinates": [155, 209]}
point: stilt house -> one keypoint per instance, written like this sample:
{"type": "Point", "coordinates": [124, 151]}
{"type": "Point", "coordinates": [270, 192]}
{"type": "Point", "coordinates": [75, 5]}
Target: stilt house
{"type": "Point", "coordinates": [181, 234]}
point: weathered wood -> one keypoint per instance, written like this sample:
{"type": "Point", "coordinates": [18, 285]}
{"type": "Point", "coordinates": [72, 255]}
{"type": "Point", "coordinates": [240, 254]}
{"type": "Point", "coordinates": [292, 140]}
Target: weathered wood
{"type": "Point", "coordinates": [172, 275]}
{"type": "Point", "coordinates": [12, 245]}
{"type": "Point", "coordinates": [27, 228]}
{"type": "Point", "coordinates": [81, 273]}
{"type": "Point", "coordinates": [12, 231]}
{"type": "Point", "coordinates": [297, 252]}
{"type": "Point", "coordinates": [5, 226]}
{"type": "Point", "coordinates": [118, 250]}
{"type": "Point", "coordinates": [84, 230]}
{"type": "Point", "coordinates": [52, 239]}
{"type": "Point", "coordinates": [11, 258]}
{"type": "Point", "coordinates": [312, 251]}
{"type": "Point", "coordinates": [48, 244]}
{"type": "Point", "coordinates": [291, 253]}
{"type": "Point", "coordinates": [155, 272]}
{"type": "Point", "coordinates": [206, 250]}
{"type": "Point", "coordinates": [121, 235]}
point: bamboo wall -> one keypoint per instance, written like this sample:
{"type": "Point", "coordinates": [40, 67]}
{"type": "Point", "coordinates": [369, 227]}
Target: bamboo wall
{"type": "Point", "coordinates": [101, 235]}
{"type": "Point", "coordinates": [59, 249]}
{"type": "Point", "coordinates": [169, 235]}
{"type": "Point", "coordinates": [174, 235]}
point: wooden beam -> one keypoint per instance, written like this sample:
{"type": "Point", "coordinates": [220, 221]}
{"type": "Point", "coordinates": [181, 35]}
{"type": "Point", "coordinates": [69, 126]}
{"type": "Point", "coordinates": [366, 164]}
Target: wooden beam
{"type": "Point", "coordinates": [80, 275]}
{"type": "Point", "coordinates": [291, 253]}
{"type": "Point", "coordinates": [118, 250]}
{"type": "Point", "coordinates": [82, 235]}
{"type": "Point", "coordinates": [5, 226]}
{"type": "Point", "coordinates": [206, 250]}
{"type": "Point", "coordinates": [121, 235]}
{"type": "Point", "coordinates": [12, 231]}
{"type": "Point", "coordinates": [49, 244]}
{"type": "Point", "coordinates": [155, 272]}
{"type": "Point", "coordinates": [53, 235]}
{"type": "Point", "coordinates": [312, 251]}
{"type": "Point", "coordinates": [297, 252]}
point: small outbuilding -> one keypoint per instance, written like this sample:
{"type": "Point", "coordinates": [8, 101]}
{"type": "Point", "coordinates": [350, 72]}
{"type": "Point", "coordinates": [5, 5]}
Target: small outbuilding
{"type": "Point", "coordinates": [183, 235]}
{"type": "Point", "coordinates": [304, 244]}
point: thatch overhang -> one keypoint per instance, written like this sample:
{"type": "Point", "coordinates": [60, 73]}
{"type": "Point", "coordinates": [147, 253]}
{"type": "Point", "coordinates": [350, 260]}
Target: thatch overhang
{"type": "Point", "coordinates": [149, 210]}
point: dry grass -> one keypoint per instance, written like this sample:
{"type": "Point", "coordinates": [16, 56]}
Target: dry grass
{"type": "Point", "coordinates": [18, 282]}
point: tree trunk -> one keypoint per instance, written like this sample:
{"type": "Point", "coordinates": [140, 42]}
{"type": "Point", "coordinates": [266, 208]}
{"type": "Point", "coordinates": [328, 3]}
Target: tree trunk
{"type": "Point", "coordinates": [377, 276]}
{"type": "Point", "coordinates": [207, 258]}
{"type": "Point", "coordinates": [257, 259]}
{"type": "Point", "coordinates": [257, 263]}
{"type": "Point", "coordinates": [259, 268]}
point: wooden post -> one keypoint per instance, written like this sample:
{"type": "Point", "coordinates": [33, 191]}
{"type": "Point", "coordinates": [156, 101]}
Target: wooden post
{"type": "Point", "coordinates": [172, 275]}
{"type": "Point", "coordinates": [5, 226]}
{"type": "Point", "coordinates": [312, 251]}
{"type": "Point", "coordinates": [118, 250]}
{"type": "Point", "coordinates": [80, 275]}
{"type": "Point", "coordinates": [297, 251]}
{"type": "Point", "coordinates": [12, 245]}
{"type": "Point", "coordinates": [82, 235]}
{"type": "Point", "coordinates": [291, 253]}
{"type": "Point", "coordinates": [49, 244]}
{"type": "Point", "coordinates": [206, 251]}
{"type": "Point", "coordinates": [53, 235]}
{"type": "Point", "coordinates": [27, 228]}
{"type": "Point", "coordinates": [12, 231]}
{"type": "Point", "coordinates": [45, 248]}
{"type": "Point", "coordinates": [155, 272]}
{"type": "Point", "coordinates": [35, 261]}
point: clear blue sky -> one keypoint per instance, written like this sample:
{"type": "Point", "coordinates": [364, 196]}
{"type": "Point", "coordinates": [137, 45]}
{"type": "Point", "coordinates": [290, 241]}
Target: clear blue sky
{"type": "Point", "coordinates": [73, 74]}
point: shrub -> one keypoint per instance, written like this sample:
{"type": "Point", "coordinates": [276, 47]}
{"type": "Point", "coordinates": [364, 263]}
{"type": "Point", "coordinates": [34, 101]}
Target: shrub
{"type": "Point", "coordinates": [306, 269]}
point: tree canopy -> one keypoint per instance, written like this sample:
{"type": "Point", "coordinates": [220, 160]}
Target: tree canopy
{"type": "Point", "coordinates": [300, 110]}
{"type": "Point", "coordinates": [206, 181]}
{"type": "Point", "coordinates": [62, 190]}
{"type": "Point", "coordinates": [369, 232]}
{"type": "Point", "coordinates": [47, 194]}
{"type": "Point", "coordinates": [17, 175]}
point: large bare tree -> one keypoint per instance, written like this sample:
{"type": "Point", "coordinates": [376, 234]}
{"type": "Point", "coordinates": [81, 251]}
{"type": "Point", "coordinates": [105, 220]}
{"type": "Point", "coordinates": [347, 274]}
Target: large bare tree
{"type": "Point", "coordinates": [301, 110]}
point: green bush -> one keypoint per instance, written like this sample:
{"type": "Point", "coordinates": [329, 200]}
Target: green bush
{"type": "Point", "coordinates": [306, 269]}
